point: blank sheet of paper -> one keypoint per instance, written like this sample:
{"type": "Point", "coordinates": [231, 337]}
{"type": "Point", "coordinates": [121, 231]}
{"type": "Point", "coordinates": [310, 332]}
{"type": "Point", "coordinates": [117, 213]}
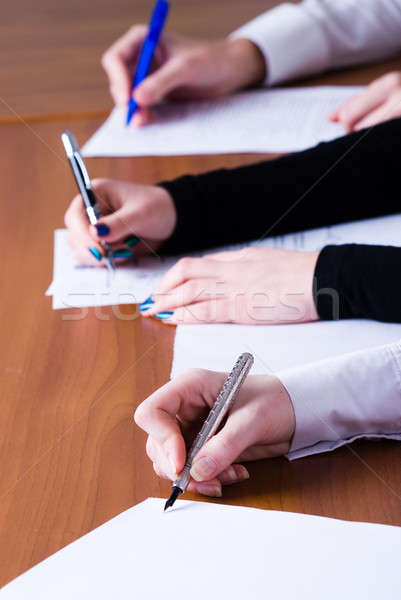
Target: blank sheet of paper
{"type": "Point", "coordinates": [200, 550]}
{"type": "Point", "coordinates": [279, 120]}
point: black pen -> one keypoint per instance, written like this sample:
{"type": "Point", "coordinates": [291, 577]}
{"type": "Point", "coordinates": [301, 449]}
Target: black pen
{"type": "Point", "coordinates": [85, 189]}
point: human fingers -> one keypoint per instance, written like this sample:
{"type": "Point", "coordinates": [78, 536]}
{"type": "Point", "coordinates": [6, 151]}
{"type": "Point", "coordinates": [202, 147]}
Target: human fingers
{"type": "Point", "coordinates": [215, 310]}
{"type": "Point", "coordinates": [143, 116]}
{"type": "Point", "coordinates": [373, 96]}
{"type": "Point", "coordinates": [190, 292]}
{"type": "Point", "coordinates": [262, 416]}
{"type": "Point", "coordinates": [118, 60]}
{"type": "Point", "coordinates": [158, 85]}
{"type": "Point", "coordinates": [186, 397]}
{"type": "Point", "coordinates": [217, 456]}
{"type": "Point", "coordinates": [358, 107]}
{"type": "Point", "coordinates": [186, 269]}
{"type": "Point", "coordinates": [86, 250]}
{"type": "Point", "coordinates": [389, 110]}
{"type": "Point", "coordinates": [128, 209]}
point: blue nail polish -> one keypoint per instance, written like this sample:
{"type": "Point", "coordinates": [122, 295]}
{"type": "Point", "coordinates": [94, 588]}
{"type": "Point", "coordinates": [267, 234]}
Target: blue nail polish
{"type": "Point", "coordinates": [102, 229]}
{"type": "Point", "coordinates": [146, 304]}
{"type": "Point", "coordinates": [131, 241]}
{"type": "Point", "coordinates": [164, 315]}
{"type": "Point", "coordinates": [95, 252]}
{"type": "Point", "coordinates": [122, 254]}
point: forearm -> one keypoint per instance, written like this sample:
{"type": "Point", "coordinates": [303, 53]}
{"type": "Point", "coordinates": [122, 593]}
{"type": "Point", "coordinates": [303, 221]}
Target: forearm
{"type": "Point", "coordinates": [334, 182]}
{"type": "Point", "coordinates": [358, 281]}
{"type": "Point", "coordinates": [339, 400]}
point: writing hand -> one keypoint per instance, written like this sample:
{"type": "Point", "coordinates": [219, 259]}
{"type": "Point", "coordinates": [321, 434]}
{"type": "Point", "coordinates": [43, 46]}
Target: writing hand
{"type": "Point", "coordinates": [260, 425]}
{"type": "Point", "coordinates": [182, 69]}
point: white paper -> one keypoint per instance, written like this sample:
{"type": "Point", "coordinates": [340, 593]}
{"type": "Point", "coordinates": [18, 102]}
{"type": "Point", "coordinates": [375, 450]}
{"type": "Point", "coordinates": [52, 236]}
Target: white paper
{"type": "Point", "coordinates": [200, 550]}
{"type": "Point", "coordinates": [75, 286]}
{"type": "Point", "coordinates": [278, 347]}
{"type": "Point", "coordinates": [279, 120]}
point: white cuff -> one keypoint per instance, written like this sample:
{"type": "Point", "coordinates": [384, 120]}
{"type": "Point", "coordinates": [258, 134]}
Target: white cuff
{"type": "Point", "coordinates": [339, 400]}
{"type": "Point", "coordinates": [291, 41]}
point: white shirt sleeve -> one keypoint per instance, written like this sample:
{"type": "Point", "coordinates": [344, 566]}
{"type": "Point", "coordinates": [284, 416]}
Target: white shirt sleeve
{"type": "Point", "coordinates": [304, 39]}
{"type": "Point", "coordinates": [337, 401]}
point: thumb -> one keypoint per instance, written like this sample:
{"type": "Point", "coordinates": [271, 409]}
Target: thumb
{"type": "Point", "coordinates": [160, 83]}
{"type": "Point", "coordinates": [218, 453]}
{"type": "Point", "coordinates": [113, 227]}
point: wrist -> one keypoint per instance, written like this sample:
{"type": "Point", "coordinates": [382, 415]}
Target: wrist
{"type": "Point", "coordinates": [248, 61]}
{"type": "Point", "coordinates": [166, 211]}
{"type": "Point", "coordinates": [311, 261]}
{"type": "Point", "coordinates": [277, 417]}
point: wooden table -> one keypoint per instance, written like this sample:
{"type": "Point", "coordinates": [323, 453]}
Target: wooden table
{"type": "Point", "coordinates": [71, 457]}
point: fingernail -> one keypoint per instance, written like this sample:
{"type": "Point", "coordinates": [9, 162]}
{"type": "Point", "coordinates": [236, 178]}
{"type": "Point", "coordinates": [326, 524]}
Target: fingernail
{"type": "Point", "coordinates": [132, 241]}
{"type": "Point", "coordinates": [146, 304]}
{"type": "Point", "coordinates": [95, 252]}
{"type": "Point", "coordinates": [102, 229]}
{"type": "Point", "coordinates": [204, 468]}
{"type": "Point", "coordinates": [242, 472]}
{"type": "Point", "coordinates": [164, 315]}
{"type": "Point", "coordinates": [122, 254]}
{"type": "Point", "coordinates": [208, 489]}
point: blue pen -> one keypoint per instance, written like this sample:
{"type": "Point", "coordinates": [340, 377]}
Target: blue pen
{"type": "Point", "coordinates": [156, 25]}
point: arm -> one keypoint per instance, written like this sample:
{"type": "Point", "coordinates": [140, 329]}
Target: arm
{"type": "Point", "coordinates": [300, 412]}
{"type": "Point", "coordinates": [365, 280]}
{"type": "Point", "coordinates": [339, 400]}
{"type": "Point", "coordinates": [334, 182]}
{"type": "Point", "coordinates": [303, 39]}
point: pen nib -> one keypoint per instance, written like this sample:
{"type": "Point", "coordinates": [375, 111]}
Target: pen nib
{"type": "Point", "coordinates": [174, 495]}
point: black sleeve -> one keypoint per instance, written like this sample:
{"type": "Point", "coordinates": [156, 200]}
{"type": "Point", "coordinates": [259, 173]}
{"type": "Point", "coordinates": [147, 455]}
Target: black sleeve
{"type": "Point", "coordinates": [358, 281]}
{"type": "Point", "coordinates": [353, 177]}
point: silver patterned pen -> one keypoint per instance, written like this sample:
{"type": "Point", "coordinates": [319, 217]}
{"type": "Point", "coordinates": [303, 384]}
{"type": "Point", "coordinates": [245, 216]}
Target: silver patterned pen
{"type": "Point", "coordinates": [222, 405]}
{"type": "Point", "coordinates": [85, 189]}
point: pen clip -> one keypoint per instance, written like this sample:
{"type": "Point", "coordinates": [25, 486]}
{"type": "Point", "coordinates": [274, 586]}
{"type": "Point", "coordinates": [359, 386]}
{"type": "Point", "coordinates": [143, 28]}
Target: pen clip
{"type": "Point", "coordinates": [82, 168]}
{"type": "Point", "coordinates": [73, 153]}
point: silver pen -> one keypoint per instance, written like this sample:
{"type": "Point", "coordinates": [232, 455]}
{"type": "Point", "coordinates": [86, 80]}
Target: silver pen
{"type": "Point", "coordinates": [222, 405]}
{"type": "Point", "coordinates": [85, 189]}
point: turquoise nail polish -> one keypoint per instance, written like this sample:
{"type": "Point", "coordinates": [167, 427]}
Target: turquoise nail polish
{"type": "Point", "coordinates": [122, 254]}
{"type": "Point", "coordinates": [131, 241]}
{"type": "Point", "coordinates": [95, 252]}
{"type": "Point", "coordinates": [146, 304]}
{"type": "Point", "coordinates": [164, 315]}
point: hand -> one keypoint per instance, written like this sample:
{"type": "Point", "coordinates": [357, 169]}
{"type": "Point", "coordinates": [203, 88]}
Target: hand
{"type": "Point", "coordinates": [380, 101]}
{"type": "Point", "coordinates": [254, 286]}
{"type": "Point", "coordinates": [260, 425]}
{"type": "Point", "coordinates": [133, 215]}
{"type": "Point", "coordinates": [182, 69]}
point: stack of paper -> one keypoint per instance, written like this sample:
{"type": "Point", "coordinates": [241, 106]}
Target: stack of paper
{"type": "Point", "coordinates": [200, 550]}
{"type": "Point", "coordinates": [255, 121]}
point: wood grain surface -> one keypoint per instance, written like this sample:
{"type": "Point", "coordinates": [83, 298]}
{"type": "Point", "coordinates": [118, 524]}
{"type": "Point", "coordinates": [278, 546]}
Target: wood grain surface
{"type": "Point", "coordinates": [70, 455]}
{"type": "Point", "coordinates": [50, 51]}
{"type": "Point", "coordinates": [50, 59]}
